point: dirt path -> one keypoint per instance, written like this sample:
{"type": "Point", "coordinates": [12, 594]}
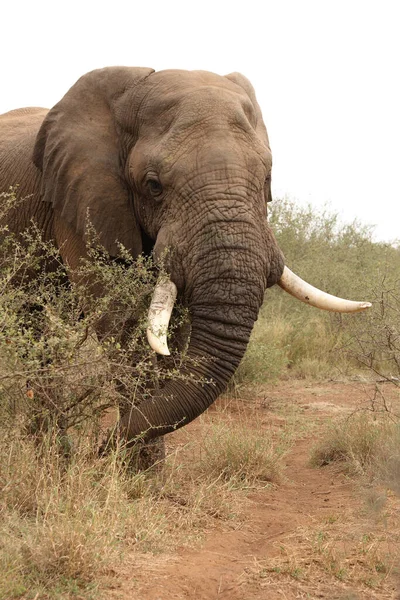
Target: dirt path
{"type": "Point", "coordinates": [289, 538]}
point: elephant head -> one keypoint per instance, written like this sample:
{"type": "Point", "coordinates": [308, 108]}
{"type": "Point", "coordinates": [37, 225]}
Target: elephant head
{"type": "Point", "coordinates": [177, 160]}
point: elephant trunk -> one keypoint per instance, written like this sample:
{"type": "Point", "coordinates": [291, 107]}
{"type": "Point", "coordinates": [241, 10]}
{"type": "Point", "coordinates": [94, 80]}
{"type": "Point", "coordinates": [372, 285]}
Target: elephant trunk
{"type": "Point", "coordinates": [215, 351]}
{"type": "Point", "coordinates": [225, 271]}
{"type": "Point", "coordinates": [223, 308]}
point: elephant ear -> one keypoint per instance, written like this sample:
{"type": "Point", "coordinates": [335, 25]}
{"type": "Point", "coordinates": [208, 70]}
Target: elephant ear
{"type": "Point", "coordinates": [80, 153]}
{"type": "Point", "coordinates": [245, 84]}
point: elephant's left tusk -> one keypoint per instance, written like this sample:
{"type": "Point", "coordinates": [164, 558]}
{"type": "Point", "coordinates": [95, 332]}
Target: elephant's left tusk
{"type": "Point", "coordinates": [159, 314]}
{"type": "Point", "coordinates": [307, 293]}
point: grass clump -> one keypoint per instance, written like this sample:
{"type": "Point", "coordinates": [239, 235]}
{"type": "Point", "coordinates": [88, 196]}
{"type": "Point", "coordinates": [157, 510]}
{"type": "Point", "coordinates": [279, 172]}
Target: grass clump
{"type": "Point", "coordinates": [60, 523]}
{"type": "Point", "coordinates": [241, 455]}
{"type": "Point", "coordinates": [362, 444]}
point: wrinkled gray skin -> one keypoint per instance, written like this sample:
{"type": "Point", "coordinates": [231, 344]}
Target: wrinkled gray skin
{"type": "Point", "coordinates": [172, 158]}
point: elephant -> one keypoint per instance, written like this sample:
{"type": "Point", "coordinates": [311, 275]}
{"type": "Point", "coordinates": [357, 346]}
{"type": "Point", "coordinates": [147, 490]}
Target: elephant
{"type": "Point", "coordinates": [176, 160]}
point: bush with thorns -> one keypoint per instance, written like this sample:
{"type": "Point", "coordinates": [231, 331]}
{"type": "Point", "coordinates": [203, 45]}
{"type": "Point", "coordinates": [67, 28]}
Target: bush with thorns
{"type": "Point", "coordinates": [68, 352]}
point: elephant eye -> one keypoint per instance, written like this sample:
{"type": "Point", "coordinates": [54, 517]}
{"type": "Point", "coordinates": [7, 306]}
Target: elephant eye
{"type": "Point", "coordinates": [155, 187]}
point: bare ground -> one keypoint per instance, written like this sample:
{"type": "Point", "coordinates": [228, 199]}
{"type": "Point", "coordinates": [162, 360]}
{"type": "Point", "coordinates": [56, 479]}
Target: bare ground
{"type": "Point", "coordinates": [319, 534]}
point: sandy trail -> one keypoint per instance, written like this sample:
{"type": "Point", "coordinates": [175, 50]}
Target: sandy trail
{"type": "Point", "coordinates": [235, 563]}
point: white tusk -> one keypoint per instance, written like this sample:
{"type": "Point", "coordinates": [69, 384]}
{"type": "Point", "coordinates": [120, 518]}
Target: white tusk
{"type": "Point", "coordinates": [159, 314]}
{"type": "Point", "coordinates": [307, 293]}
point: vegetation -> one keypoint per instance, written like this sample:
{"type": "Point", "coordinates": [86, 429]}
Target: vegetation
{"type": "Point", "coordinates": [69, 355]}
{"type": "Point", "coordinates": [68, 515]}
{"type": "Point", "coordinates": [244, 461]}
{"type": "Point", "coordinates": [293, 339]}
{"type": "Point", "coordinates": [363, 443]}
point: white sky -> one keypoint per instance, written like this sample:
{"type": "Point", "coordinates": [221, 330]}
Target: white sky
{"type": "Point", "coordinates": [326, 74]}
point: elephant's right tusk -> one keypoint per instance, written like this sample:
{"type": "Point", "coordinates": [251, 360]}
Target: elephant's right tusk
{"type": "Point", "coordinates": [159, 314]}
{"type": "Point", "coordinates": [309, 294]}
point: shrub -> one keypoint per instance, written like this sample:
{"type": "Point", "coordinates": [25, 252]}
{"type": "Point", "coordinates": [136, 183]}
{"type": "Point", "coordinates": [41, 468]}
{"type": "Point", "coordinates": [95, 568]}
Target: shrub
{"type": "Point", "coordinates": [342, 259]}
{"type": "Point", "coordinates": [57, 371]}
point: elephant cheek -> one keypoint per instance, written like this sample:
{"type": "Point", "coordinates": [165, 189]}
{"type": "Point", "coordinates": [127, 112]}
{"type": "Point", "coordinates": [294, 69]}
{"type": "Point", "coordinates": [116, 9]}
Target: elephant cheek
{"type": "Point", "coordinates": [276, 266]}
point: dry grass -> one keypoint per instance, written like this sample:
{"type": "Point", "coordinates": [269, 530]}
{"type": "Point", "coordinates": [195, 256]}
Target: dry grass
{"type": "Point", "coordinates": [241, 454]}
{"type": "Point", "coordinates": [266, 356]}
{"type": "Point", "coordinates": [302, 347]}
{"type": "Point", "coordinates": [60, 523]}
{"type": "Point", "coordinates": [356, 554]}
{"type": "Point", "coordinates": [340, 552]}
{"type": "Point", "coordinates": [365, 444]}
{"type": "Point", "coordinates": [63, 524]}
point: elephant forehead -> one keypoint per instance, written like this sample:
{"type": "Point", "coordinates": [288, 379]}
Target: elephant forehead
{"type": "Point", "coordinates": [210, 103]}
{"type": "Point", "coordinates": [180, 79]}
{"type": "Point", "coordinates": [191, 99]}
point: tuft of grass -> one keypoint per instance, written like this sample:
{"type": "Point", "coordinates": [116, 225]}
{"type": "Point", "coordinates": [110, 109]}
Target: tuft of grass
{"type": "Point", "coordinates": [313, 368]}
{"type": "Point", "coordinates": [241, 455]}
{"type": "Point", "coordinates": [60, 523]}
{"type": "Point", "coordinates": [363, 444]}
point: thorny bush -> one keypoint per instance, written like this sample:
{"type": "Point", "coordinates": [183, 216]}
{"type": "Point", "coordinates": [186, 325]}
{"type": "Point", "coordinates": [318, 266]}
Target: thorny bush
{"type": "Point", "coordinates": [68, 354]}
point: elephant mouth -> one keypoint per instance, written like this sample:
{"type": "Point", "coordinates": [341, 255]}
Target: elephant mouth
{"type": "Point", "coordinates": [165, 293]}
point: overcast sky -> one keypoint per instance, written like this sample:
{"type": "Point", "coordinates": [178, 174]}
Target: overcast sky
{"type": "Point", "coordinates": [326, 74]}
